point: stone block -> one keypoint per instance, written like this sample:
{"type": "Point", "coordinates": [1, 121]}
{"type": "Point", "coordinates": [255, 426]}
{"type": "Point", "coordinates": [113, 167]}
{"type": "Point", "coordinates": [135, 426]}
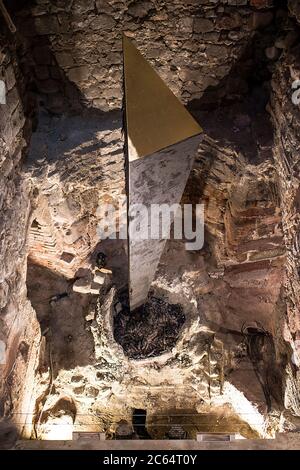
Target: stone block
{"type": "Point", "coordinates": [103, 22]}
{"type": "Point", "coordinates": [218, 52]}
{"type": "Point", "coordinates": [58, 5]}
{"type": "Point", "coordinates": [191, 46]}
{"type": "Point", "coordinates": [45, 25]}
{"type": "Point", "coordinates": [203, 25]}
{"type": "Point", "coordinates": [101, 103]}
{"type": "Point", "coordinates": [82, 286]}
{"type": "Point", "coordinates": [110, 93]}
{"type": "Point", "coordinates": [79, 74]}
{"type": "Point", "coordinates": [140, 9]}
{"type": "Point", "coordinates": [79, 390]}
{"type": "Point", "coordinates": [185, 25]}
{"type": "Point", "coordinates": [103, 6]}
{"type": "Point", "coordinates": [90, 316]}
{"type": "Point", "coordinates": [39, 10]}
{"type": "Point", "coordinates": [92, 392]}
{"type": "Point", "coordinates": [64, 59]}
{"type": "Point", "coordinates": [229, 22]}
{"type": "Point", "coordinates": [93, 92]}
{"type": "Point", "coordinates": [99, 278]}
{"type": "Point", "coordinates": [105, 271]}
{"type": "Point", "coordinates": [83, 6]}
{"type": "Point", "coordinates": [189, 74]}
{"type": "Point", "coordinates": [95, 288]}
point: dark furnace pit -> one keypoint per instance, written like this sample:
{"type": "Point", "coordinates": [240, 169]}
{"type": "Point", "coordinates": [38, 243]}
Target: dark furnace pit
{"type": "Point", "coordinates": [150, 330]}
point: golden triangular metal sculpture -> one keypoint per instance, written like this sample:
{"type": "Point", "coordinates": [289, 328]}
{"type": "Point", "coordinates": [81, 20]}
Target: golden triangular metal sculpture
{"type": "Point", "coordinates": [159, 128]}
{"type": "Point", "coordinates": [155, 117]}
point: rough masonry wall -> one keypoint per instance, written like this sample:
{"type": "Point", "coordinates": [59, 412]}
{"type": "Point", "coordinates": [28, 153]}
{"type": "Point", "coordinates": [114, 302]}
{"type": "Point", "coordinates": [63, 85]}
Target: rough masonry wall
{"type": "Point", "coordinates": [75, 54]}
{"type": "Point", "coordinates": [74, 50]}
{"type": "Point", "coordinates": [286, 117]}
{"type": "Point", "coordinates": [76, 165]}
{"type": "Point", "coordinates": [19, 329]}
{"type": "Point", "coordinates": [192, 44]}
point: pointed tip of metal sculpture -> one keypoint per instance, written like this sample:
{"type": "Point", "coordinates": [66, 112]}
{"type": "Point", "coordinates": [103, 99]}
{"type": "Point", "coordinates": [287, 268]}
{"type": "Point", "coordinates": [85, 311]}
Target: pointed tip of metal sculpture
{"type": "Point", "coordinates": [155, 118]}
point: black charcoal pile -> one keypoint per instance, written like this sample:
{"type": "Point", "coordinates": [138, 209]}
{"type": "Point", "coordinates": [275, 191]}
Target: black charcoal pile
{"type": "Point", "coordinates": [150, 330]}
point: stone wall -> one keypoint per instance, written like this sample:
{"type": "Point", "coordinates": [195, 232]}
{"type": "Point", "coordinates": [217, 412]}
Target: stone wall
{"type": "Point", "coordinates": [73, 50]}
{"type": "Point", "coordinates": [286, 117]}
{"type": "Point", "coordinates": [75, 165]}
{"type": "Point", "coordinates": [240, 275]}
{"type": "Point", "coordinates": [77, 46]}
{"type": "Point", "coordinates": [19, 330]}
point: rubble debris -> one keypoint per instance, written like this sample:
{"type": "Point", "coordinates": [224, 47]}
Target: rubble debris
{"type": "Point", "coordinates": [150, 330]}
{"type": "Point", "coordinates": [82, 286]}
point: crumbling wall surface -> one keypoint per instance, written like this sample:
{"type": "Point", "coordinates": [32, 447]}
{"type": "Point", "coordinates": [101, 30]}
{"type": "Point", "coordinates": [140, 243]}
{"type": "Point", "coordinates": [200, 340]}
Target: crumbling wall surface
{"type": "Point", "coordinates": [106, 390]}
{"type": "Point", "coordinates": [192, 44]}
{"type": "Point", "coordinates": [76, 165]}
{"type": "Point", "coordinates": [294, 8]}
{"type": "Point", "coordinates": [286, 117]}
{"type": "Point", "coordinates": [19, 330]}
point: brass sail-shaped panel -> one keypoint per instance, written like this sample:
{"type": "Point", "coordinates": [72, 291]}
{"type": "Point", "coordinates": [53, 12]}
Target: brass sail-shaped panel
{"type": "Point", "coordinates": [155, 118]}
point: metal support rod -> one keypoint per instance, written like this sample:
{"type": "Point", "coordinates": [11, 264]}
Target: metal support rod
{"type": "Point", "coordinates": [7, 17]}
